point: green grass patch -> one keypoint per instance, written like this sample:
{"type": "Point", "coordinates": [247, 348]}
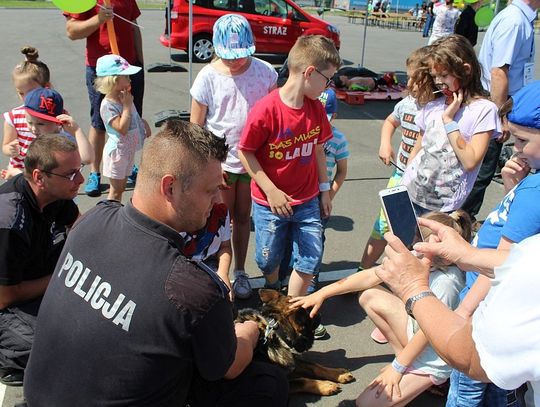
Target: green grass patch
{"type": "Point", "coordinates": [48, 4]}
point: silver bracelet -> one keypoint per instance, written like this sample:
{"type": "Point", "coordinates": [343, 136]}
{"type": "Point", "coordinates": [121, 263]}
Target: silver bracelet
{"type": "Point", "coordinates": [398, 367]}
{"type": "Point", "coordinates": [451, 127]}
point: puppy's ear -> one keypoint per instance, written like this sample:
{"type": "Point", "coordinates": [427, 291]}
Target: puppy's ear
{"type": "Point", "coordinates": [267, 295]}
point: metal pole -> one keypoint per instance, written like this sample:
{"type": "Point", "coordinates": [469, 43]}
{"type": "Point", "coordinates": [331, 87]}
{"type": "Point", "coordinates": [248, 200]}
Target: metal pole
{"type": "Point", "coordinates": [190, 30]}
{"type": "Point", "coordinates": [169, 28]}
{"type": "Point", "coordinates": [364, 40]}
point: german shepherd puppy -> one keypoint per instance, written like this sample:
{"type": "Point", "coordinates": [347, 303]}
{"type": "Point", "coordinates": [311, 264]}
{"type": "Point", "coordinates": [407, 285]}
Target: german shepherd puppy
{"type": "Point", "coordinates": [286, 332]}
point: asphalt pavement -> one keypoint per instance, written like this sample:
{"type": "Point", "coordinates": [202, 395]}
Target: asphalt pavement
{"type": "Point", "coordinates": [355, 207]}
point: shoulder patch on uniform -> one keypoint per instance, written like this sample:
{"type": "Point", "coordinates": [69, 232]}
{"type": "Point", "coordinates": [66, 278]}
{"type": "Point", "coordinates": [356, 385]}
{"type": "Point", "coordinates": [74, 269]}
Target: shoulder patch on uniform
{"type": "Point", "coordinates": [191, 289]}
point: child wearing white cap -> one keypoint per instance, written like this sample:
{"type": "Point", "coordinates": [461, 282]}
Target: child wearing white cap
{"type": "Point", "coordinates": [223, 93]}
{"type": "Point", "coordinates": [126, 130]}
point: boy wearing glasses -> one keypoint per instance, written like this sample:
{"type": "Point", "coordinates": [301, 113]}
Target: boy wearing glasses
{"type": "Point", "coordinates": [35, 209]}
{"type": "Point", "coordinates": [282, 148]}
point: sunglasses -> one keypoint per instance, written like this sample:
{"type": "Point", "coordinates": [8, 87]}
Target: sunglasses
{"type": "Point", "coordinates": [70, 177]}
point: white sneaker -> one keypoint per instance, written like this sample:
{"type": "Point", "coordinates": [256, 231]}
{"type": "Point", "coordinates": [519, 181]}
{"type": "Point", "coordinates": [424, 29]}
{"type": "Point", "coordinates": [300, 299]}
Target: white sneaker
{"type": "Point", "coordinates": [241, 286]}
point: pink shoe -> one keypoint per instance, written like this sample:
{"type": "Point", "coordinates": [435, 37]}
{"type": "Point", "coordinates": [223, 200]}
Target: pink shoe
{"type": "Point", "coordinates": [378, 336]}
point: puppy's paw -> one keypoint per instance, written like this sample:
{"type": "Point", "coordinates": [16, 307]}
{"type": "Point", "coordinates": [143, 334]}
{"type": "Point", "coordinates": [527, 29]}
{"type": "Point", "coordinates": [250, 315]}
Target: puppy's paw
{"type": "Point", "coordinates": [345, 377]}
{"type": "Point", "coordinates": [328, 388]}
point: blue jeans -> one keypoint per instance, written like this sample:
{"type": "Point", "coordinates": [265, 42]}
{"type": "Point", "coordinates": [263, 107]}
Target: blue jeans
{"type": "Point", "coordinates": [272, 231]}
{"type": "Point", "coordinates": [427, 25]}
{"type": "Point", "coordinates": [287, 262]}
{"type": "Point", "coordinates": [466, 392]}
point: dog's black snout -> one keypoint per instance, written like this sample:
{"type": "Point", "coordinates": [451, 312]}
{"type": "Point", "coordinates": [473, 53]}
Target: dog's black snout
{"type": "Point", "coordinates": [316, 320]}
{"type": "Point", "coordinates": [303, 344]}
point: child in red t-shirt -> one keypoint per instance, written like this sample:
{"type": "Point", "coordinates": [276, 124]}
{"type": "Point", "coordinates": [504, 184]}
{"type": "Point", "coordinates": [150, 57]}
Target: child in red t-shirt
{"type": "Point", "coordinates": [281, 147]}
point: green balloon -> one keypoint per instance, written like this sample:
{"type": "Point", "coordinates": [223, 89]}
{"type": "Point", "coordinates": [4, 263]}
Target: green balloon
{"type": "Point", "coordinates": [74, 6]}
{"type": "Point", "coordinates": [484, 16]}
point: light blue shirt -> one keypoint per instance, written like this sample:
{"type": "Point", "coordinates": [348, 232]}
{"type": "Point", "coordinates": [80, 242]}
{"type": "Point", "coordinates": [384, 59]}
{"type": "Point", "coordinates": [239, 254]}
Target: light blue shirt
{"type": "Point", "coordinates": [509, 40]}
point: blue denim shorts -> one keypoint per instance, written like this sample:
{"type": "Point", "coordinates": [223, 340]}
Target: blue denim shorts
{"type": "Point", "coordinates": [305, 230]}
{"type": "Point", "coordinates": [137, 90]}
{"type": "Point", "coordinates": [466, 392]}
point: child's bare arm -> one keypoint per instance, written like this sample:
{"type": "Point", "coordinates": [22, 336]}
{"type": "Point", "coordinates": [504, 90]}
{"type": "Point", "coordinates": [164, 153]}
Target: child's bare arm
{"type": "Point", "coordinates": [325, 201]}
{"type": "Point", "coordinates": [389, 378]}
{"type": "Point", "coordinates": [386, 152]}
{"type": "Point", "coordinates": [413, 349]}
{"type": "Point", "coordinates": [416, 148]}
{"type": "Point", "coordinates": [10, 144]}
{"type": "Point", "coordinates": [476, 294]}
{"type": "Point", "coordinates": [224, 256]}
{"type": "Point", "coordinates": [198, 113]}
{"type": "Point", "coordinates": [353, 283]}
{"type": "Point", "coordinates": [86, 150]}
{"type": "Point", "coordinates": [481, 286]}
{"type": "Point", "coordinates": [339, 178]}
{"type": "Point", "coordinates": [278, 200]}
{"type": "Point", "coordinates": [514, 170]}
{"type": "Point", "coordinates": [147, 129]}
{"type": "Point", "coordinates": [10, 172]}
{"type": "Point", "coordinates": [471, 154]}
{"type": "Point", "coordinates": [122, 122]}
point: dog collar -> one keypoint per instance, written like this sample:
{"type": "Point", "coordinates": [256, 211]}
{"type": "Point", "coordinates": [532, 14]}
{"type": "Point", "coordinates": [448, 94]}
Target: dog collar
{"type": "Point", "coordinates": [270, 328]}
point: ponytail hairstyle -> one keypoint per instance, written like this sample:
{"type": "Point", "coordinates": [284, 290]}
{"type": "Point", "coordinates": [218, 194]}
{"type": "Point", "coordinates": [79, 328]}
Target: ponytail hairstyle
{"type": "Point", "coordinates": [33, 69]}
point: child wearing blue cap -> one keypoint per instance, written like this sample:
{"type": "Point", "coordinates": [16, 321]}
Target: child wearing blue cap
{"type": "Point", "coordinates": [514, 219]}
{"type": "Point", "coordinates": [126, 130]}
{"type": "Point", "coordinates": [223, 94]}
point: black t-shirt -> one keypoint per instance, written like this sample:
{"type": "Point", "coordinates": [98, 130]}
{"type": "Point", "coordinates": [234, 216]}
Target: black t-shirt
{"type": "Point", "coordinates": [30, 240]}
{"type": "Point", "coordinates": [127, 318]}
{"type": "Point", "coordinates": [466, 25]}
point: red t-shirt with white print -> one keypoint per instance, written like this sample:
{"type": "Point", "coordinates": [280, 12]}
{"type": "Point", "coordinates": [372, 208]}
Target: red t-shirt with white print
{"type": "Point", "coordinates": [283, 140]}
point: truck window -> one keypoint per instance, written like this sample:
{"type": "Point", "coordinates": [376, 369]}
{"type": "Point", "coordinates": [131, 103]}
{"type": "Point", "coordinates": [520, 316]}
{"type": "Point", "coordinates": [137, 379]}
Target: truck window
{"type": "Point", "coordinates": [220, 4]}
{"type": "Point", "coordinates": [246, 6]}
{"type": "Point", "coordinates": [274, 8]}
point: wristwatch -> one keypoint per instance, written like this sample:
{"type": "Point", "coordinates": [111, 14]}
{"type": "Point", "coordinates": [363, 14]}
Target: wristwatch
{"type": "Point", "coordinates": [410, 302]}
